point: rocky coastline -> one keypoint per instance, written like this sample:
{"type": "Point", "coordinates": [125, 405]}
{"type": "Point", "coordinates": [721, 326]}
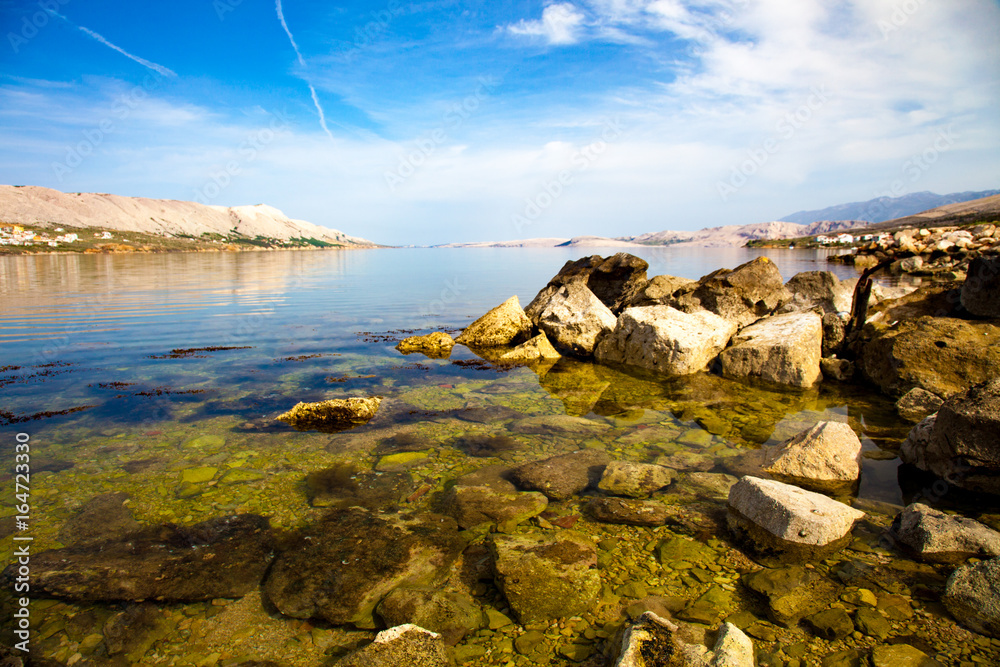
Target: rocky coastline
{"type": "Point", "coordinates": [589, 556]}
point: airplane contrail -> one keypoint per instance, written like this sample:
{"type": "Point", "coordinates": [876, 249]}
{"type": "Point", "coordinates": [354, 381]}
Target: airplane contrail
{"type": "Point", "coordinates": [159, 69]}
{"type": "Point", "coordinates": [302, 62]}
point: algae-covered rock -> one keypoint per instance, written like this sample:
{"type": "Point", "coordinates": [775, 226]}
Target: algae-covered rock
{"type": "Point", "coordinates": [344, 486]}
{"type": "Point", "coordinates": [627, 511]}
{"type": "Point", "coordinates": [333, 415]}
{"type": "Point", "coordinates": [450, 614]}
{"type": "Point", "coordinates": [634, 480]}
{"type": "Point", "coordinates": [917, 404]}
{"type": "Point", "coordinates": [546, 576]}
{"type": "Point", "coordinates": [402, 646]}
{"type": "Point", "coordinates": [504, 325]}
{"type": "Point", "coordinates": [473, 505]}
{"type": "Point", "coordinates": [435, 345]}
{"type": "Point", "coordinates": [791, 592]}
{"type": "Point", "coordinates": [102, 517]}
{"type": "Point", "coordinates": [339, 568]}
{"type": "Point", "coordinates": [560, 477]}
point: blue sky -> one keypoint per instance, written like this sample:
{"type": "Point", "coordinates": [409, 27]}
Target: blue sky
{"type": "Point", "coordinates": [439, 121]}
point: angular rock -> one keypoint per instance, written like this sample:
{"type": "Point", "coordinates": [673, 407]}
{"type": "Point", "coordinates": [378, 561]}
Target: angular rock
{"type": "Point", "coordinates": [546, 576]}
{"type": "Point", "coordinates": [778, 522]}
{"type": "Point", "coordinates": [627, 511]}
{"type": "Point", "coordinates": [918, 403]}
{"type": "Point", "coordinates": [665, 340]}
{"type": "Point", "coordinates": [574, 319]}
{"type": "Point", "coordinates": [742, 296]}
{"type": "Point", "coordinates": [972, 595]}
{"type": "Point", "coordinates": [832, 624]}
{"type": "Point", "coordinates": [708, 485]}
{"type": "Point", "coordinates": [435, 345]}
{"type": "Point", "coordinates": [872, 623]}
{"type": "Point", "coordinates": [658, 291]}
{"type": "Point", "coordinates": [981, 289]}
{"type": "Point", "coordinates": [791, 593]}
{"type": "Point", "coordinates": [820, 290]}
{"type": "Point", "coordinates": [573, 272]}
{"type": "Point", "coordinates": [652, 640]}
{"type": "Point", "coordinates": [219, 558]}
{"type": "Point", "coordinates": [338, 569]}
{"type": "Point", "coordinates": [833, 334]}
{"type": "Point", "coordinates": [937, 537]}
{"type": "Point", "coordinates": [334, 415]}
{"type": "Point", "coordinates": [450, 614]}
{"type": "Point", "coordinates": [473, 505]}
{"type": "Point", "coordinates": [504, 325]}
{"type": "Point", "coordinates": [615, 280]}
{"type": "Point", "coordinates": [634, 480]}
{"type": "Point", "coordinates": [563, 476]}
{"type": "Point", "coordinates": [960, 445]}
{"type": "Point", "coordinates": [901, 655]}
{"type": "Point", "coordinates": [536, 349]}
{"type": "Point", "coordinates": [402, 646]}
{"type": "Point", "coordinates": [784, 349]}
{"type": "Point", "coordinates": [824, 457]}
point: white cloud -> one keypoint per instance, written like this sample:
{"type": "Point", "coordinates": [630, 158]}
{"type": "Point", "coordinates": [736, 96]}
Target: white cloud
{"type": "Point", "coordinates": [560, 24]}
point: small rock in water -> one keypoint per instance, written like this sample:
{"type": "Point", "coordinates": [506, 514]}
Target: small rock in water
{"type": "Point", "coordinates": [402, 646]}
{"type": "Point", "coordinates": [337, 414]}
{"type": "Point", "coordinates": [435, 345]}
{"type": "Point", "coordinates": [561, 477]}
{"type": "Point", "coordinates": [628, 511]}
{"type": "Point", "coordinates": [972, 595]}
{"type": "Point", "coordinates": [634, 480]}
{"type": "Point", "coordinates": [937, 537]}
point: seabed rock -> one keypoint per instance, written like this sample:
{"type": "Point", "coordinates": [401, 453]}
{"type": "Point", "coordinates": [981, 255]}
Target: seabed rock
{"type": "Point", "coordinates": [337, 414]}
{"type": "Point", "coordinates": [628, 511]}
{"type": "Point", "coordinates": [474, 505]}
{"type": "Point", "coordinates": [972, 595]}
{"type": "Point", "coordinates": [653, 641]}
{"type": "Point", "coordinates": [453, 615]}
{"type": "Point", "coordinates": [563, 476]}
{"type": "Point", "coordinates": [791, 592]}
{"type": "Point", "coordinates": [402, 646]}
{"type": "Point", "coordinates": [634, 480]}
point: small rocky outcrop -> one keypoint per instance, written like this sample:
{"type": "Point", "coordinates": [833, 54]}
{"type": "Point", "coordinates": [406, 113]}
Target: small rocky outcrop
{"type": "Point", "coordinates": [934, 536]}
{"type": "Point", "coordinates": [615, 280]}
{"type": "Point", "coordinates": [628, 511]}
{"type": "Point", "coordinates": [981, 289]}
{"type": "Point", "coordinates": [972, 595]}
{"type": "Point", "coordinates": [402, 646]}
{"type": "Point", "coordinates": [917, 404]}
{"type": "Point", "coordinates": [504, 325]}
{"type": "Point", "coordinates": [824, 457]}
{"type": "Point", "coordinates": [435, 345]}
{"type": "Point", "coordinates": [574, 319]}
{"type": "Point", "coordinates": [546, 576]}
{"type": "Point", "coordinates": [779, 523]}
{"type": "Point", "coordinates": [561, 477]}
{"type": "Point", "coordinates": [960, 444]}
{"type": "Point", "coordinates": [742, 295]}
{"type": "Point", "coordinates": [337, 414]}
{"type": "Point", "coordinates": [784, 350]}
{"type": "Point", "coordinates": [665, 340]}
{"type": "Point", "coordinates": [339, 569]}
{"type": "Point", "coordinates": [634, 480]}
{"type": "Point", "coordinates": [219, 558]}
{"type": "Point", "coordinates": [452, 615]}
{"type": "Point", "coordinates": [536, 349]}
{"type": "Point", "coordinates": [474, 505]}
{"type": "Point", "coordinates": [658, 291]}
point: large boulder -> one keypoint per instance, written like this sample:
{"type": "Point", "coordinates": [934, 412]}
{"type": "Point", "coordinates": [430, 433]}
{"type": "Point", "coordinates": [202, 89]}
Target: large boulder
{"type": "Point", "coordinates": [339, 568]}
{"type": "Point", "coordinates": [563, 476]}
{"type": "Point", "coordinates": [402, 646]}
{"type": "Point", "coordinates": [504, 325]}
{"type": "Point", "coordinates": [634, 480]}
{"type": "Point", "coordinates": [937, 537]}
{"type": "Point", "coordinates": [972, 595]}
{"type": "Point", "coordinates": [574, 319]}
{"type": "Point", "coordinates": [960, 444]}
{"type": "Point", "coordinates": [615, 280]}
{"type": "Point", "coordinates": [473, 505]}
{"type": "Point", "coordinates": [336, 414]}
{"type": "Point", "coordinates": [981, 289]}
{"type": "Point", "coordinates": [742, 296]}
{"type": "Point", "coordinates": [824, 457]}
{"type": "Point", "coordinates": [658, 291]}
{"type": "Point", "coordinates": [219, 558]}
{"type": "Point", "coordinates": [784, 349]}
{"type": "Point", "coordinates": [546, 576]}
{"type": "Point", "coordinates": [819, 290]}
{"type": "Point", "coordinates": [779, 523]}
{"type": "Point", "coordinates": [665, 340]}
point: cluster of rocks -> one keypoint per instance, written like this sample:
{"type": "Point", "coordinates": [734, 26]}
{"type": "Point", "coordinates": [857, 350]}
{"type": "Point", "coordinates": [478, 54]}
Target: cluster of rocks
{"type": "Point", "coordinates": [943, 252]}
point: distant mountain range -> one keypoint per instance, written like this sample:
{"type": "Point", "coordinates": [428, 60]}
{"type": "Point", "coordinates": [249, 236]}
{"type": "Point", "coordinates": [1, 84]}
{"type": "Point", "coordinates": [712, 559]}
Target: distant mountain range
{"type": "Point", "coordinates": [31, 205]}
{"type": "Point", "coordinates": [882, 209]}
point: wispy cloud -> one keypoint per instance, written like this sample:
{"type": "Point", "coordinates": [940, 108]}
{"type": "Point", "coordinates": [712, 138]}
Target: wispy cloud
{"type": "Point", "coordinates": [159, 69]}
{"type": "Point", "coordinates": [302, 63]}
{"type": "Point", "coordinates": [559, 24]}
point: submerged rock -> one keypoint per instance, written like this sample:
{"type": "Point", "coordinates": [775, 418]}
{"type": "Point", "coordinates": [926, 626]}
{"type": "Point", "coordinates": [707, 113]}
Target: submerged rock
{"type": "Point", "coordinates": [780, 523]}
{"type": "Point", "coordinates": [333, 415]}
{"type": "Point", "coordinates": [343, 486]}
{"type": "Point", "coordinates": [960, 443]}
{"type": "Point", "coordinates": [558, 425]}
{"type": "Point", "coordinates": [474, 505]}
{"type": "Point", "coordinates": [219, 558]}
{"type": "Point", "coordinates": [574, 319]}
{"type": "Point", "coordinates": [665, 340]}
{"type": "Point", "coordinates": [402, 646]}
{"type": "Point", "coordinates": [563, 476]}
{"type": "Point", "coordinates": [784, 350]}
{"type": "Point", "coordinates": [937, 537]}
{"type": "Point", "coordinates": [450, 614]}
{"type": "Point", "coordinates": [791, 592]}
{"type": "Point", "coordinates": [340, 568]}
{"type": "Point", "coordinates": [435, 345]}
{"type": "Point", "coordinates": [634, 480]}
{"type": "Point", "coordinates": [824, 457]}
{"type": "Point", "coordinates": [102, 517]}
{"type": "Point", "coordinates": [546, 576]}
{"type": "Point", "coordinates": [628, 511]}
{"type": "Point", "coordinates": [918, 403]}
{"type": "Point", "coordinates": [972, 595]}
{"type": "Point", "coordinates": [504, 325]}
